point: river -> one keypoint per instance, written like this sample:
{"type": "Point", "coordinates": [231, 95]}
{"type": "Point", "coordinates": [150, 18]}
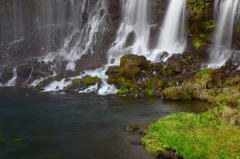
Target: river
{"type": "Point", "coordinates": [37, 125]}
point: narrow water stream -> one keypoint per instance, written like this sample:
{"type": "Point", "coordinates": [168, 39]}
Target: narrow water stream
{"type": "Point", "coordinates": [77, 126]}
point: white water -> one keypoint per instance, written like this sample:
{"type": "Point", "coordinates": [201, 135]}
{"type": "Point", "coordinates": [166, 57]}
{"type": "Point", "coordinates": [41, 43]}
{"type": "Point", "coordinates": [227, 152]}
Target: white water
{"type": "Point", "coordinates": [227, 11]}
{"type": "Point", "coordinates": [134, 23]}
{"type": "Point", "coordinates": [132, 36]}
{"type": "Point", "coordinates": [172, 38]}
{"type": "Point", "coordinates": [87, 34]}
{"type": "Point", "coordinates": [12, 81]}
{"type": "Point", "coordinates": [104, 87]}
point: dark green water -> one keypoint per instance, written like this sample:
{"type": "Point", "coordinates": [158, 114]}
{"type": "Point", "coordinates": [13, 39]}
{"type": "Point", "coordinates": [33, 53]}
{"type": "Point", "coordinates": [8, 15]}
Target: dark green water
{"type": "Point", "coordinates": [76, 126]}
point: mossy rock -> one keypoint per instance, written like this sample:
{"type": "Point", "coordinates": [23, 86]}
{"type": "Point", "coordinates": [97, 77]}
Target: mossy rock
{"type": "Point", "coordinates": [153, 83]}
{"type": "Point", "coordinates": [76, 81]}
{"type": "Point", "coordinates": [135, 60]}
{"type": "Point", "coordinates": [165, 71]}
{"type": "Point", "coordinates": [69, 88]}
{"type": "Point", "coordinates": [88, 80]}
{"type": "Point", "coordinates": [112, 70]}
{"type": "Point", "coordinates": [132, 127]}
{"type": "Point", "coordinates": [131, 72]}
{"type": "Point", "coordinates": [157, 67]}
{"type": "Point", "coordinates": [116, 81]}
{"type": "Point", "coordinates": [39, 85]}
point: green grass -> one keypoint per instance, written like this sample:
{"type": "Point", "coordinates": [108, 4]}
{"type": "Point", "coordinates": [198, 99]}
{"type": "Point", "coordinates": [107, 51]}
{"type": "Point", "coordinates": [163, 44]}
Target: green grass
{"type": "Point", "coordinates": [195, 136]}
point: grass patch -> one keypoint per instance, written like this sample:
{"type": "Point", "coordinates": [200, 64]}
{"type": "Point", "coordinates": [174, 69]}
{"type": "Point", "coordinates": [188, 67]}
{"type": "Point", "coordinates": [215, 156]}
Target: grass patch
{"type": "Point", "coordinates": [195, 136]}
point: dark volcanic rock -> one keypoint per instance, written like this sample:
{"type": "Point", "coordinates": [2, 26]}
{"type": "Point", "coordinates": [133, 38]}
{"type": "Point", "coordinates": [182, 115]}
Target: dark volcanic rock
{"type": "Point", "coordinates": [24, 71]}
{"type": "Point", "coordinates": [7, 74]}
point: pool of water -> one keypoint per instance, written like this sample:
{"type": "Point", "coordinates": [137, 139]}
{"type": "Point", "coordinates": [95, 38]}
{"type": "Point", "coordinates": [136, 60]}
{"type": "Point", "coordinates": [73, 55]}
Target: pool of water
{"type": "Point", "coordinates": [77, 126]}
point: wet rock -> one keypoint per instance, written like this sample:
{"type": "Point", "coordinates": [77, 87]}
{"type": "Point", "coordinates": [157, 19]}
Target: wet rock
{"type": "Point", "coordinates": [228, 66]}
{"type": "Point", "coordinates": [112, 70]}
{"type": "Point", "coordinates": [132, 127]}
{"type": "Point", "coordinates": [176, 65]}
{"type": "Point", "coordinates": [86, 61]}
{"type": "Point", "coordinates": [134, 60]}
{"type": "Point", "coordinates": [41, 70]}
{"type": "Point", "coordinates": [130, 39]}
{"type": "Point", "coordinates": [24, 71]}
{"type": "Point", "coordinates": [7, 74]}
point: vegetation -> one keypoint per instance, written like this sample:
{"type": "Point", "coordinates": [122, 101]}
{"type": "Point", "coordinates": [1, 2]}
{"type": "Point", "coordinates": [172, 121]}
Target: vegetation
{"type": "Point", "coordinates": [201, 21]}
{"type": "Point", "coordinates": [212, 134]}
{"type": "Point", "coordinates": [207, 135]}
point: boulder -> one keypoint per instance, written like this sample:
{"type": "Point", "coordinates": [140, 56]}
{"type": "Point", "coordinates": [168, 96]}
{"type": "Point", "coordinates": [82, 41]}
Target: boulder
{"type": "Point", "coordinates": [132, 127]}
{"type": "Point", "coordinates": [135, 60]}
{"type": "Point", "coordinates": [24, 71]}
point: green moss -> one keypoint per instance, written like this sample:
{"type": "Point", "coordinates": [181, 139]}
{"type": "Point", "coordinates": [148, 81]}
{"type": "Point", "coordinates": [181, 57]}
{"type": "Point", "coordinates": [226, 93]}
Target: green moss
{"type": "Point", "coordinates": [69, 87]}
{"type": "Point", "coordinates": [131, 72]}
{"type": "Point", "coordinates": [238, 28]}
{"type": "Point", "coordinates": [149, 93]}
{"type": "Point", "coordinates": [171, 83]}
{"type": "Point", "coordinates": [76, 81]}
{"type": "Point", "coordinates": [51, 78]}
{"type": "Point", "coordinates": [166, 71]}
{"type": "Point", "coordinates": [132, 127]}
{"type": "Point", "coordinates": [160, 11]}
{"type": "Point", "coordinates": [153, 83]}
{"type": "Point", "coordinates": [39, 85]}
{"type": "Point", "coordinates": [88, 80]}
{"type": "Point", "coordinates": [124, 90]}
{"type": "Point", "coordinates": [197, 42]}
{"type": "Point", "coordinates": [194, 136]}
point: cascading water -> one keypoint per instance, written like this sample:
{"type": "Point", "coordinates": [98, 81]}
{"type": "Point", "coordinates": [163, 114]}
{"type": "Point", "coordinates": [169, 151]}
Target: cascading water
{"type": "Point", "coordinates": [87, 34]}
{"type": "Point", "coordinates": [133, 33]}
{"type": "Point", "coordinates": [172, 38]}
{"type": "Point", "coordinates": [18, 20]}
{"type": "Point", "coordinates": [12, 81]}
{"type": "Point", "coordinates": [221, 50]}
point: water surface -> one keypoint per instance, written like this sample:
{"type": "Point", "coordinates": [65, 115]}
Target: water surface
{"type": "Point", "coordinates": [77, 126]}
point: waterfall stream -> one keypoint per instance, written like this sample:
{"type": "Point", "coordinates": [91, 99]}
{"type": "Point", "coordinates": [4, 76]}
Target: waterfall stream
{"type": "Point", "coordinates": [172, 38]}
{"type": "Point", "coordinates": [133, 33]}
{"type": "Point", "coordinates": [227, 11]}
{"type": "Point", "coordinates": [85, 35]}
{"type": "Point", "coordinates": [12, 81]}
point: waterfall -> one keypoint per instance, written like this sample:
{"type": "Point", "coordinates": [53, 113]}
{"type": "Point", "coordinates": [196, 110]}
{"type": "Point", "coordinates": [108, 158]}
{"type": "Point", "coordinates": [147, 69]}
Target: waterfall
{"type": "Point", "coordinates": [12, 81]}
{"type": "Point", "coordinates": [221, 50]}
{"type": "Point", "coordinates": [172, 38]}
{"type": "Point", "coordinates": [86, 33]}
{"type": "Point", "coordinates": [18, 20]}
{"type": "Point", "coordinates": [133, 33]}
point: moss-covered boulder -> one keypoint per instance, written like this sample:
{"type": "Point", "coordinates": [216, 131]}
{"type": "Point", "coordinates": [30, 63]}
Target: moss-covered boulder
{"type": "Point", "coordinates": [135, 60]}
{"type": "Point", "coordinates": [88, 80]}
{"type": "Point", "coordinates": [132, 127]}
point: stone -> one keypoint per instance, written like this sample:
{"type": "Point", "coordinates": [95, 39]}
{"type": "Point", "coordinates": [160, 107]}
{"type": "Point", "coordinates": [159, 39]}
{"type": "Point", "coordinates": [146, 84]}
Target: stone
{"type": "Point", "coordinates": [132, 127]}
{"type": "Point", "coordinates": [24, 71]}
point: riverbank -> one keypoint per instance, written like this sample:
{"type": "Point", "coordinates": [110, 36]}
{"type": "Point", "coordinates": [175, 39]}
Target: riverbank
{"type": "Point", "coordinates": [212, 134]}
